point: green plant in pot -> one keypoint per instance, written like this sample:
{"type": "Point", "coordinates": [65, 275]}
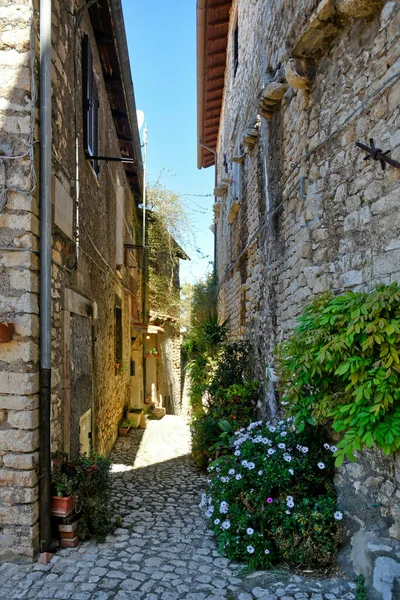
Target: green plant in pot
{"type": "Point", "coordinates": [88, 481]}
{"type": "Point", "coordinates": [123, 427]}
{"type": "Point", "coordinates": [64, 484]}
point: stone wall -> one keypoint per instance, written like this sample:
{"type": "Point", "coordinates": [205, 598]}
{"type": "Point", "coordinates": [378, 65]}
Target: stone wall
{"type": "Point", "coordinates": [88, 276]}
{"type": "Point", "coordinates": [302, 212]}
{"type": "Point", "coordinates": [19, 286]}
{"type": "Point", "coordinates": [90, 269]}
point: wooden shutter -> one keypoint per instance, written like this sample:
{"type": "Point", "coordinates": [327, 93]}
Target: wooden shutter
{"type": "Point", "coordinates": [90, 104]}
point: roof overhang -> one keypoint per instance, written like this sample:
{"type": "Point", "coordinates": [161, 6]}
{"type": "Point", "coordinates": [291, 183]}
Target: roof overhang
{"type": "Point", "coordinates": [109, 31]}
{"type": "Point", "coordinates": [212, 41]}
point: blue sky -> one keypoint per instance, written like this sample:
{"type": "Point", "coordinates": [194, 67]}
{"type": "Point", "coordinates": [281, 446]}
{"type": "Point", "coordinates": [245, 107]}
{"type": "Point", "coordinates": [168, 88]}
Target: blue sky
{"type": "Point", "coordinates": [162, 47]}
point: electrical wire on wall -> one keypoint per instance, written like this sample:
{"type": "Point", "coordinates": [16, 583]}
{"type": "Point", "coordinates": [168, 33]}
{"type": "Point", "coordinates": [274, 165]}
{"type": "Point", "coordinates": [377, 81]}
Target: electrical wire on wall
{"type": "Point", "coordinates": [268, 219]}
{"type": "Point", "coordinates": [4, 158]}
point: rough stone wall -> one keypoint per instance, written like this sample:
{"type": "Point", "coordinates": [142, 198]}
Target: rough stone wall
{"type": "Point", "coordinates": [312, 214]}
{"type": "Point", "coordinates": [19, 282]}
{"type": "Point", "coordinates": [84, 283]}
{"type": "Point", "coordinates": [93, 274]}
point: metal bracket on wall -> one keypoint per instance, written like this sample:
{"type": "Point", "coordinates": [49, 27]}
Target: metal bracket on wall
{"type": "Point", "coordinates": [377, 154]}
{"type": "Point", "coordinates": [299, 184]}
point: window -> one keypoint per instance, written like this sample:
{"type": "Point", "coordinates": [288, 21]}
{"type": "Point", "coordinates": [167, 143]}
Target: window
{"type": "Point", "coordinates": [236, 48]}
{"type": "Point", "coordinates": [90, 105]}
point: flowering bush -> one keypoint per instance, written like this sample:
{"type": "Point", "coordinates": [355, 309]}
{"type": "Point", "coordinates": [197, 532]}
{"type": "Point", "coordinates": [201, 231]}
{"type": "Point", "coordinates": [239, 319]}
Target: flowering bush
{"type": "Point", "coordinates": [273, 497]}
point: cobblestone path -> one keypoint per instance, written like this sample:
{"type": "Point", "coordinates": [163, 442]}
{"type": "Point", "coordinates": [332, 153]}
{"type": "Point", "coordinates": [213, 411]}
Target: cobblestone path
{"type": "Point", "coordinates": [164, 550]}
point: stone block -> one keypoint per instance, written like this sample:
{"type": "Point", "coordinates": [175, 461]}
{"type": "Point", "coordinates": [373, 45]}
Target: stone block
{"type": "Point", "coordinates": [24, 280]}
{"type": "Point", "coordinates": [27, 303]}
{"type": "Point", "coordinates": [19, 383]}
{"type": "Point", "coordinates": [27, 325]}
{"type": "Point", "coordinates": [388, 263]}
{"type": "Point", "coordinates": [13, 440]}
{"type": "Point", "coordinates": [19, 258]}
{"type": "Point", "coordinates": [352, 278]}
{"type": "Point", "coordinates": [12, 402]}
{"type": "Point", "coordinates": [299, 73]}
{"type": "Point", "coordinates": [26, 222]}
{"type": "Point", "coordinates": [387, 203]}
{"type": "Point", "coordinates": [9, 477]}
{"type": "Point", "coordinates": [14, 58]}
{"type": "Point", "coordinates": [21, 461]}
{"type": "Point", "coordinates": [19, 495]}
{"type": "Point", "coordinates": [275, 91]}
{"type": "Point", "coordinates": [357, 9]}
{"type": "Point", "coordinates": [25, 419]}
{"type": "Point", "coordinates": [386, 571]}
{"type": "Point", "coordinates": [24, 514]}
{"type": "Point", "coordinates": [14, 350]}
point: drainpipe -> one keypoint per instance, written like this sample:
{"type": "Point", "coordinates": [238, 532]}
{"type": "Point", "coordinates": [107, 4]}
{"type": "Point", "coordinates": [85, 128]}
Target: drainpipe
{"type": "Point", "coordinates": [200, 143]}
{"type": "Point", "coordinates": [45, 274]}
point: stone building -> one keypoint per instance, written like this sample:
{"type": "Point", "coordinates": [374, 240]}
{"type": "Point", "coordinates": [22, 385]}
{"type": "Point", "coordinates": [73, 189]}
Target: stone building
{"type": "Point", "coordinates": [285, 89]}
{"type": "Point", "coordinates": [87, 110]}
{"type": "Point", "coordinates": [163, 370]}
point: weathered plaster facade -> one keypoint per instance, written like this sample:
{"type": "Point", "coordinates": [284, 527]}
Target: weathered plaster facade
{"type": "Point", "coordinates": [94, 295]}
{"type": "Point", "coordinates": [298, 211]}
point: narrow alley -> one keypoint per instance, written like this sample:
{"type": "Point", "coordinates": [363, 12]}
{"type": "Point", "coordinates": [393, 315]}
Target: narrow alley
{"type": "Point", "coordinates": [163, 551]}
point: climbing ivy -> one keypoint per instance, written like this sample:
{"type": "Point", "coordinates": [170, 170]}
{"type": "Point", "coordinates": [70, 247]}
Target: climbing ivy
{"type": "Point", "coordinates": [342, 365]}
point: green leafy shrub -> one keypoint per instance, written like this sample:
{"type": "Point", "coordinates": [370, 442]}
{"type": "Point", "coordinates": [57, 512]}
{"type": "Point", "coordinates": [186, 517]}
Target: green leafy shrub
{"type": "Point", "coordinates": [225, 394]}
{"type": "Point", "coordinates": [342, 365]}
{"type": "Point", "coordinates": [236, 403]}
{"type": "Point", "coordinates": [204, 433]}
{"type": "Point", "coordinates": [273, 499]}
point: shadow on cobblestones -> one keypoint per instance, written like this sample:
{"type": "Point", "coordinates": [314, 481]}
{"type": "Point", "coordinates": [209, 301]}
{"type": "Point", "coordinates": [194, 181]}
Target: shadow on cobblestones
{"type": "Point", "coordinates": [164, 550]}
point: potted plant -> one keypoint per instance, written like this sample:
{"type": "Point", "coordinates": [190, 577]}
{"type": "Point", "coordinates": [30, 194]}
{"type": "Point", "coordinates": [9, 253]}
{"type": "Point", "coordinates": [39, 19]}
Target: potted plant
{"type": "Point", "coordinates": [133, 416]}
{"type": "Point", "coordinates": [87, 479]}
{"type": "Point", "coordinates": [123, 427]}
{"type": "Point", "coordinates": [63, 482]}
{"type": "Point", "coordinates": [7, 319]}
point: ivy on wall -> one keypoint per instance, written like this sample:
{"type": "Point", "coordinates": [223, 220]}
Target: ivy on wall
{"type": "Point", "coordinates": [342, 365]}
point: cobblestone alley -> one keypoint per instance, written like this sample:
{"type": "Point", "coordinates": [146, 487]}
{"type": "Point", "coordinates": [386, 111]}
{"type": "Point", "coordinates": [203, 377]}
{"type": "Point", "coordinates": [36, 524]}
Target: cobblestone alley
{"type": "Point", "coordinates": [164, 550]}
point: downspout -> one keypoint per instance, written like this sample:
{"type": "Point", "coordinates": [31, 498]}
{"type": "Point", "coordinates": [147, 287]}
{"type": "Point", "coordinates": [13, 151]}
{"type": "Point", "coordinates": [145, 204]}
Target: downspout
{"type": "Point", "coordinates": [45, 274]}
{"type": "Point", "coordinates": [201, 76]}
{"type": "Point", "coordinates": [215, 185]}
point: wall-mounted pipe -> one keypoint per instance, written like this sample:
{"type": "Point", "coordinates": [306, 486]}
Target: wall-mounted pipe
{"type": "Point", "coordinates": [201, 75]}
{"type": "Point", "coordinates": [45, 274]}
{"type": "Point", "coordinates": [200, 143]}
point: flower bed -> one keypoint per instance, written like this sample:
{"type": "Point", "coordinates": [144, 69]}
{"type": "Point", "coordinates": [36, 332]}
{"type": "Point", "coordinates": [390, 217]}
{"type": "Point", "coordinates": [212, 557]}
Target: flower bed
{"type": "Point", "coordinates": [273, 498]}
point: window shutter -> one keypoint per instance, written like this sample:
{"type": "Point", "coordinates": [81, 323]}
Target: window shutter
{"type": "Point", "coordinates": [90, 104]}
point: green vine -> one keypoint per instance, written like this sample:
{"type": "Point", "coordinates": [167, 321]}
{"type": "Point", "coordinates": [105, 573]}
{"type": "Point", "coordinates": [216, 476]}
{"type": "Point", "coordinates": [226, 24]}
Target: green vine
{"type": "Point", "coordinates": [342, 365]}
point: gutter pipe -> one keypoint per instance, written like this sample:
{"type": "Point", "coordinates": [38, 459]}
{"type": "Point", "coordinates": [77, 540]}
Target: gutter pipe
{"type": "Point", "coordinates": [201, 76]}
{"type": "Point", "coordinates": [201, 145]}
{"type": "Point", "coordinates": [45, 274]}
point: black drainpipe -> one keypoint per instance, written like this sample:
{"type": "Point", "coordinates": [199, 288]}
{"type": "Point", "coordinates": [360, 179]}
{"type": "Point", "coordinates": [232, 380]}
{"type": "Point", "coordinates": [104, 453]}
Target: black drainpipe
{"type": "Point", "coordinates": [45, 275]}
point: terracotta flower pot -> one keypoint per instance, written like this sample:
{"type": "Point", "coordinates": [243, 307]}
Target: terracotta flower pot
{"type": "Point", "coordinates": [123, 431]}
{"type": "Point", "coordinates": [62, 506]}
{"type": "Point", "coordinates": [6, 331]}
